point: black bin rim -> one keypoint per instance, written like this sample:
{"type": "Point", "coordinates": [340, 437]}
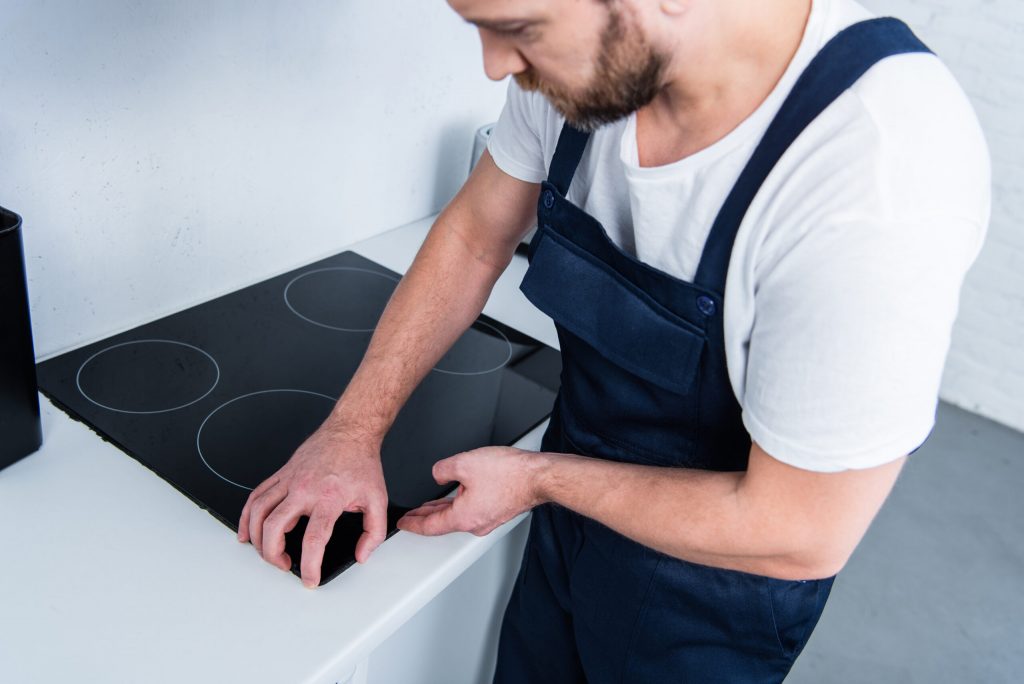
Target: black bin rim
{"type": "Point", "coordinates": [8, 221]}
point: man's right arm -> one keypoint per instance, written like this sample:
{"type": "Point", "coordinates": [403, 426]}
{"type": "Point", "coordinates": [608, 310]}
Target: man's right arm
{"type": "Point", "coordinates": [443, 292]}
{"type": "Point", "coordinates": [338, 468]}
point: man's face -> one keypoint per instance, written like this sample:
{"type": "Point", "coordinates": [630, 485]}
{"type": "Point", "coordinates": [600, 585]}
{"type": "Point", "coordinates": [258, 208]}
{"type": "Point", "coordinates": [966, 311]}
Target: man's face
{"type": "Point", "coordinates": [591, 60]}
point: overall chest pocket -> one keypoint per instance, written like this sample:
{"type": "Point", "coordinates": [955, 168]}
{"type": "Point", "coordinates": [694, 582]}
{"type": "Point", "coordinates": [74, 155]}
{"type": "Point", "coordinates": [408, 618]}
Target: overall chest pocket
{"type": "Point", "coordinates": [615, 317]}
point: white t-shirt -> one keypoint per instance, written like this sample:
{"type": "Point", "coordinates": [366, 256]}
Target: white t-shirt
{"type": "Point", "coordinates": [845, 275]}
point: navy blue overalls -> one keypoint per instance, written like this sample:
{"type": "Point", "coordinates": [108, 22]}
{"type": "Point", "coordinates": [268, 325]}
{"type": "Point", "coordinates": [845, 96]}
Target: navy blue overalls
{"type": "Point", "coordinates": [644, 381]}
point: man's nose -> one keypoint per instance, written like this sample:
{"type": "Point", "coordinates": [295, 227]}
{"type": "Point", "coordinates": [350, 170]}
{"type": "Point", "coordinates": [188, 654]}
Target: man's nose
{"type": "Point", "coordinates": [501, 58]}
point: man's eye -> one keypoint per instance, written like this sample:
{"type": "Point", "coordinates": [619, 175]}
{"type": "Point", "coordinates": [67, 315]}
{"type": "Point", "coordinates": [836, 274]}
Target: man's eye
{"type": "Point", "coordinates": [518, 32]}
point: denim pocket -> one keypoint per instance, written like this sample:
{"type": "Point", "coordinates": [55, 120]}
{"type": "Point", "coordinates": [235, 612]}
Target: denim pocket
{"type": "Point", "coordinates": [706, 624]}
{"type": "Point", "coordinates": [561, 278]}
{"type": "Point", "coordinates": [795, 607]}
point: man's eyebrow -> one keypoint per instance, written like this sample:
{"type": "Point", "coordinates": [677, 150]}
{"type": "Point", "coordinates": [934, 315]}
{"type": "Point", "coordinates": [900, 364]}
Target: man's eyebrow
{"type": "Point", "coordinates": [504, 24]}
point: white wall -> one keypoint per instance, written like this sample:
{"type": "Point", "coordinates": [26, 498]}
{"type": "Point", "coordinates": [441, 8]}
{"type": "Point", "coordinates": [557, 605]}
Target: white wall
{"type": "Point", "coordinates": [981, 42]}
{"type": "Point", "coordinates": [164, 152]}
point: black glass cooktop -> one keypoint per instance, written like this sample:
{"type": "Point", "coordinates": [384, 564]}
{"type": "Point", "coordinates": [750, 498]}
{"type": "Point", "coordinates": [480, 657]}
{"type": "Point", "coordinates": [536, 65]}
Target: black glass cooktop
{"type": "Point", "coordinates": [215, 398]}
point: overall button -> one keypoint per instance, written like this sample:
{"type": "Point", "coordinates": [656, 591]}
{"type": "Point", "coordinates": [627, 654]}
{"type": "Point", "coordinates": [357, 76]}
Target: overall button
{"type": "Point", "coordinates": [706, 305]}
{"type": "Point", "coordinates": [549, 199]}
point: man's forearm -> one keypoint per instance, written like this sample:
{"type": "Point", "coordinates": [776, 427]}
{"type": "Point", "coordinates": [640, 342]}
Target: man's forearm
{"type": "Point", "coordinates": [701, 516]}
{"type": "Point", "coordinates": [688, 514]}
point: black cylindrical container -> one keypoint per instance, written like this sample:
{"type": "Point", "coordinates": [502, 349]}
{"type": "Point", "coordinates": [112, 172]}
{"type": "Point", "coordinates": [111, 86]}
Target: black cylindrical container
{"type": "Point", "coordinates": [20, 430]}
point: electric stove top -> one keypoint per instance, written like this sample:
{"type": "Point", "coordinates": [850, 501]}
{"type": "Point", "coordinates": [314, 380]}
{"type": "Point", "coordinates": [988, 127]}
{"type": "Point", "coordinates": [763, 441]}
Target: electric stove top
{"type": "Point", "coordinates": [216, 398]}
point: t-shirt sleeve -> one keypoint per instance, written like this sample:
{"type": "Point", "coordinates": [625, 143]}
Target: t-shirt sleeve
{"type": "Point", "coordinates": [857, 282]}
{"type": "Point", "coordinates": [851, 334]}
{"type": "Point", "coordinates": [515, 142]}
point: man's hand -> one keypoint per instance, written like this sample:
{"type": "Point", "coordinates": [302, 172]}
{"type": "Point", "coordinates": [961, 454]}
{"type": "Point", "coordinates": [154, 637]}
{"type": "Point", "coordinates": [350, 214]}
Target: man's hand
{"type": "Point", "coordinates": [496, 484]}
{"type": "Point", "coordinates": [443, 292]}
{"type": "Point", "coordinates": [329, 474]}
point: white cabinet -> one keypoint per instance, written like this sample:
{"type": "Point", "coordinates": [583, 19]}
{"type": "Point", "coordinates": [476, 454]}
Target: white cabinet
{"type": "Point", "coordinates": [454, 639]}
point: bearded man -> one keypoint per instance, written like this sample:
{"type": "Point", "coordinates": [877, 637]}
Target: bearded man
{"type": "Point", "coordinates": [753, 221]}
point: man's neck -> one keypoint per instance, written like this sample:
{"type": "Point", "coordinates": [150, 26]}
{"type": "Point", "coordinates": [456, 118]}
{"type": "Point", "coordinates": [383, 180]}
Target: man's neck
{"type": "Point", "coordinates": [720, 77]}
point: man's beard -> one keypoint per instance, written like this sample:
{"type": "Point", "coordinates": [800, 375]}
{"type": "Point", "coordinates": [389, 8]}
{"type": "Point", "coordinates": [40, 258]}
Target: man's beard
{"type": "Point", "coordinates": [627, 77]}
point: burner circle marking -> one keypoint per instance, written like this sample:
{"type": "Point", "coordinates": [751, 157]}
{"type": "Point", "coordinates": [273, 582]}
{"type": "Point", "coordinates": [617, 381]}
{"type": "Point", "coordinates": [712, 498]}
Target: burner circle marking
{"type": "Point", "coordinates": [292, 308]}
{"type": "Point", "coordinates": [78, 376]}
{"type": "Point", "coordinates": [501, 365]}
{"type": "Point", "coordinates": [199, 433]}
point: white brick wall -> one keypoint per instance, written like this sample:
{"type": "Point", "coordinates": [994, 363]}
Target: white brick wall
{"type": "Point", "coordinates": [162, 153]}
{"type": "Point", "coordinates": [981, 42]}
{"type": "Point", "coordinates": [155, 101]}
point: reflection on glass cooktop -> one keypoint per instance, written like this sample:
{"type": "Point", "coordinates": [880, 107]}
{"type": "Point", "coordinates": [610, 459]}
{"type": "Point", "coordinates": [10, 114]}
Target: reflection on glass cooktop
{"type": "Point", "coordinates": [215, 398]}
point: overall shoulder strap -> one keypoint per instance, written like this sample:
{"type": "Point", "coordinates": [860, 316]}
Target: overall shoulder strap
{"type": "Point", "coordinates": [838, 65]}
{"type": "Point", "coordinates": [568, 152]}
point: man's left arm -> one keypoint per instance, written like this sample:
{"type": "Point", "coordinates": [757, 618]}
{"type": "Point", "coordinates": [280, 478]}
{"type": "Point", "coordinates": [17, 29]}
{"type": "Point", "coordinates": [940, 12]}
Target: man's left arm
{"type": "Point", "coordinates": [773, 519]}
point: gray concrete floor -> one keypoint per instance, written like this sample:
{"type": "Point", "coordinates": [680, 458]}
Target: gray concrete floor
{"type": "Point", "coordinates": [935, 592]}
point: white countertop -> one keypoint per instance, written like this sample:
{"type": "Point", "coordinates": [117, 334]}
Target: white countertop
{"type": "Point", "coordinates": [108, 574]}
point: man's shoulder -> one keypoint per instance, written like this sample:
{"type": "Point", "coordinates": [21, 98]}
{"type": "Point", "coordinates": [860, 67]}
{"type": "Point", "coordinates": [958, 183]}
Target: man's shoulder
{"type": "Point", "coordinates": [903, 143]}
{"type": "Point", "coordinates": [915, 100]}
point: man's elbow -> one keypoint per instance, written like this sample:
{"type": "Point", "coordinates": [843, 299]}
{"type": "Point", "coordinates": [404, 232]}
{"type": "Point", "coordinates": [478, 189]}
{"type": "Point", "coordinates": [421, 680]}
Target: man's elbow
{"type": "Point", "coordinates": [811, 553]}
{"type": "Point", "coordinates": [816, 562]}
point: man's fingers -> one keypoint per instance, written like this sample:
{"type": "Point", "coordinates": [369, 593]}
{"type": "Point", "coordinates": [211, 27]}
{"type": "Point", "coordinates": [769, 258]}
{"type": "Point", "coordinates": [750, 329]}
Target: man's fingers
{"type": "Point", "coordinates": [262, 506]}
{"type": "Point", "coordinates": [314, 541]}
{"type": "Point", "coordinates": [265, 485]}
{"type": "Point", "coordinates": [425, 508]}
{"type": "Point", "coordinates": [439, 521]}
{"type": "Point", "coordinates": [375, 529]}
{"type": "Point", "coordinates": [444, 471]}
{"type": "Point", "coordinates": [243, 519]}
{"type": "Point", "coordinates": [281, 521]}
{"type": "Point", "coordinates": [428, 508]}
{"type": "Point", "coordinates": [436, 502]}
